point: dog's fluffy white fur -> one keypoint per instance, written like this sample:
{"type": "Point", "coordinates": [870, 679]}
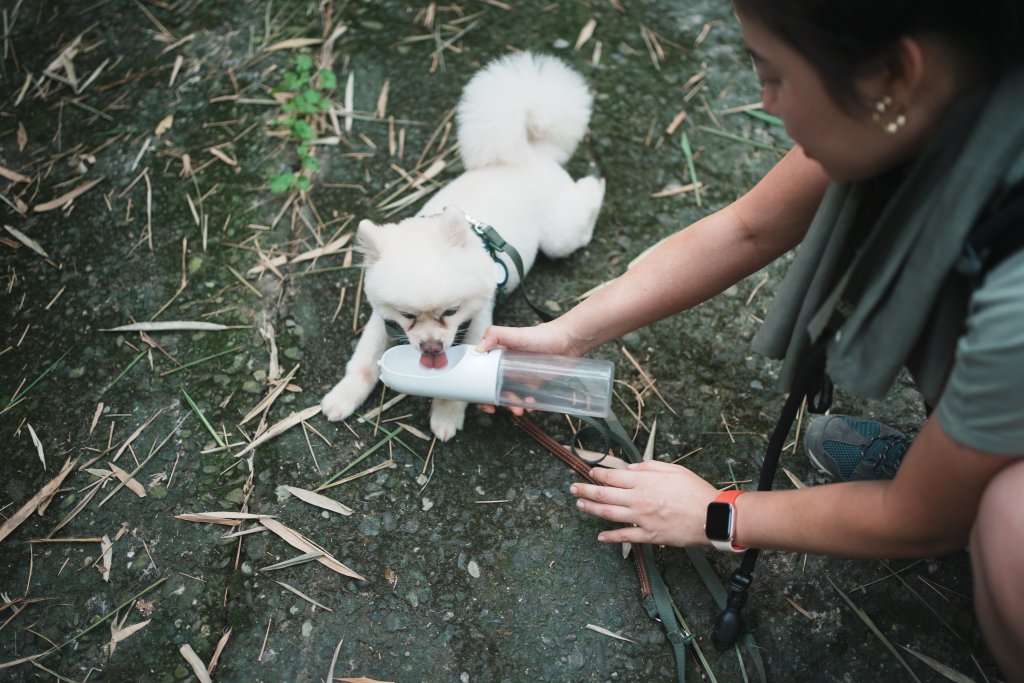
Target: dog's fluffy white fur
{"type": "Point", "coordinates": [519, 119]}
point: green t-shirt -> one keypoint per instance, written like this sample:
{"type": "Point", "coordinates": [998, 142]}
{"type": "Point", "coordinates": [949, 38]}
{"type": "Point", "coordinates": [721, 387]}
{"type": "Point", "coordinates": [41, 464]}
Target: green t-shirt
{"type": "Point", "coordinates": [982, 405]}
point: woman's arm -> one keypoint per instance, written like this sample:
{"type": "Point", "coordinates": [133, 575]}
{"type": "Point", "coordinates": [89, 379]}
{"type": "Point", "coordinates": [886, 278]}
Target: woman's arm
{"type": "Point", "coordinates": [928, 509]}
{"type": "Point", "coordinates": [689, 267]}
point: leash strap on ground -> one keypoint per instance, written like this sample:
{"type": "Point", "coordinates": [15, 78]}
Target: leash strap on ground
{"type": "Point", "coordinates": [656, 598]}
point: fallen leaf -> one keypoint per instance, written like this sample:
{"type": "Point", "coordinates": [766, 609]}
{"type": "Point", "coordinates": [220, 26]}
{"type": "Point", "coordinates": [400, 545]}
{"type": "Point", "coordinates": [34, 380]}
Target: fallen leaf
{"type": "Point", "coordinates": [27, 241]}
{"type": "Point", "coordinates": [44, 493]}
{"type": "Point", "coordinates": [118, 634]}
{"type": "Point", "coordinates": [164, 125]}
{"type": "Point", "coordinates": [292, 43]}
{"type": "Point", "coordinates": [67, 197]}
{"type": "Point", "coordinates": [585, 33]}
{"type": "Point", "coordinates": [126, 479]}
{"type": "Point", "coordinates": [197, 664]}
{"type": "Point", "coordinates": [606, 632]}
{"type": "Point", "coordinates": [38, 444]}
{"type": "Point", "coordinates": [107, 553]}
{"type": "Point", "coordinates": [299, 542]}
{"type": "Point", "coordinates": [318, 500]}
{"type": "Point", "coordinates": [22, 137]}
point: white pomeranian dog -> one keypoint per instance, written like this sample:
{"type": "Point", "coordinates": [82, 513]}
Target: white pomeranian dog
{"type": "Point", "coordinates": [519, 119]}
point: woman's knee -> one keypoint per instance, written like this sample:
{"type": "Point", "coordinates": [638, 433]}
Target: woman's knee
{"type": "Point", "coordinates": [997, 553]}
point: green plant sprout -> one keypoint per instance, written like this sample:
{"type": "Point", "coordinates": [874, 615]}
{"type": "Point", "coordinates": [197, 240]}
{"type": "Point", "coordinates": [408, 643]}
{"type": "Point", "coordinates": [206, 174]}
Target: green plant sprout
{"type": "Point", "coordinates": [310, 90]}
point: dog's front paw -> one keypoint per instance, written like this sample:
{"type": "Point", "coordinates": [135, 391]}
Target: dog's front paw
{"type": "Point", "coordinates": [345, 397]}
{"type": "Point", "coordinates": [446, 417]}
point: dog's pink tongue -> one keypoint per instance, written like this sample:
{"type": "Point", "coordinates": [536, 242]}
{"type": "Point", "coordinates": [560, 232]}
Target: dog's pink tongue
{"type": "Point", "coordinates": [435, 361]}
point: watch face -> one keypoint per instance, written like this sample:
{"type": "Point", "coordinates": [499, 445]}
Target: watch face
{"type": "Point", "coordinates": [718, 526]}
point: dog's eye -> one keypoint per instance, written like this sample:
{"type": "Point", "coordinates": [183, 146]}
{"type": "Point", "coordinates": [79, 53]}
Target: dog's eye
{"type": "Point", "coordinates": [408, 316]}
{"type": "Point", "coordinates": [450, 312]}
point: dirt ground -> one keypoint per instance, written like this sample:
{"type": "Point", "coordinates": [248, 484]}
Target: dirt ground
{"type": "Point", "coordinates": [137, 140]}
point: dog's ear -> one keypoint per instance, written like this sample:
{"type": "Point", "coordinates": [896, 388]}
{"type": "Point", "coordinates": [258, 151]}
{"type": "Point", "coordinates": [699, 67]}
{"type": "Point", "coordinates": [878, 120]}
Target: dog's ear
{"type": "Point", "coordinates": [368, 240]}
{"type": "Point", "coordinates": [456, 226]}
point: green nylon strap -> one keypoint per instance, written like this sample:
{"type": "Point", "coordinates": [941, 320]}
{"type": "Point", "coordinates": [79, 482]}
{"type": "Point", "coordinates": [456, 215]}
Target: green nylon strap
{"type": "Point", "coordinates": [660, 603]}
{"type": "Point", "coordinates": [660, 597]}
{"type": "Point", "coordinates": [495, 243]}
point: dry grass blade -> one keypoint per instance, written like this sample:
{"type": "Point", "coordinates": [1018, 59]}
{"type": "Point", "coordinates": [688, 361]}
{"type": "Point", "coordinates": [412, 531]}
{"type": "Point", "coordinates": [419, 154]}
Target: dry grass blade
{"type": "Point", "coordinates": [794, 479]}
{"type": "Point", "coordinates": [940, 668]}
{"type": "Point", "coordinates": [302, 595]}
{"type": "Point", "coordinates": [66, 197]}
{"type": "Point", "coordinates": [135, 435]}
{"type": "Point", "coordinates": [269, 399]}
{"type": "Point", "coordinates": [648, 380]}
{"type": "Point", "coordinates": [318, 500]}
{"type": "Point", "coordinates": [363, 679]}
{"type": "Point", "coordinates": [27, 241]}
{"type": "Point", "coordinates": [13, 176]}
{"type": "Point", "coordinates": [293, 43]}
{"type": "Point", "coordinates": [680, 189]}
{"type": "Point", "coordinates": [611, 634]}
{"type": "Point", "coordinates": [299, 542]}
{"type": "Point", "coordinates": [44, 493]}
{"type": "Point", "coordinates": [874, 629]}
{"type": "Point", "coordinates": [280, 427]}
{"type": "Point", "coordinates": [198, 668]}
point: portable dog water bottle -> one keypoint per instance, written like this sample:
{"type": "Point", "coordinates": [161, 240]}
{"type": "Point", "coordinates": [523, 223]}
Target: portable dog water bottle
{"type": "Point", "coordinates": [557, 384]}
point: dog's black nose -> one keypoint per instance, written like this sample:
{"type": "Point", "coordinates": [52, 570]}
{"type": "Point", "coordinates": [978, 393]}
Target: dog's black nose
{"type": "Point", "coordinates": [432, 348]}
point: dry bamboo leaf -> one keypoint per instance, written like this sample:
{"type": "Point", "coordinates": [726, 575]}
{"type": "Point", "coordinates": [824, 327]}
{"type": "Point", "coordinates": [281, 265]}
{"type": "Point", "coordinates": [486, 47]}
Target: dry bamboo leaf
{"type": "Point", "coordinates": [649, 449]}
{"type": "Point", "coordinates": [225, 518]}
{"type": "Point", "coordinates": [415, 432]}
{"type": "Point", "coordinates": [585, 33]}
{"type": "Point", "coordinates": [27, 241]}
{"type": "Point", "coordinates": [293, 43]}
{"type": "Point", "coordinates": [606, 632]}
{"type": "Point", "coordinates": [168, 326]}
{"type": "Point", "coordinates": [107, 555]}
{"type": "Point", "coordinates": [219, 649]}
{"type": "Point", "coordinates": [126, 479]}
{"type": "Point", "coordinates": [673, 191]}
{"type": "Point", "coordinates": [118, 634]}
{"type": "Point", "coordinates": [22, 137]}
{"type": "Point", "coordinates": [23, 513]}
{"type": "Point", "coordinates": [164, 125]}
{"type": "Point", "coordinates": [299, 542]}
{"type": "Point", "coordinates": [197, 664]}
{"type": "Point", "coordinates": [793, 478]}
{"type": "Point", "coordinates": [280, 427]}
{"type": "Point", "coordinates": [66, 197]}
{"type": "Point", "coordinates": [349, 93]}
{"type": "Point", "coordinates": [38, 444]}
{"type": "Point", "coordinates": [318, 500]}
{"type": "Point", "coordinates": [361, 679]}
{"type": "Point", "coordinates": [13, 176]}
{"type": "Point", "coordinates": [222, 156]}
{"type": "Point", "coordinates": [96, 416]}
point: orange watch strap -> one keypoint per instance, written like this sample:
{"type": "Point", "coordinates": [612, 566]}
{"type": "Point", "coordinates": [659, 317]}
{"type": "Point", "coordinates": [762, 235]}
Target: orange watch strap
{"type": "Point", "coordinates": [730, 497]}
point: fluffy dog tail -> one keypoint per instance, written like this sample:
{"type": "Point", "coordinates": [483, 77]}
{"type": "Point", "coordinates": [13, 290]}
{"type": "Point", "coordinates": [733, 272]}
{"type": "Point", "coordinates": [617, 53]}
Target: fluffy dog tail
{"type": "Point", "coordinates": [519, 105]}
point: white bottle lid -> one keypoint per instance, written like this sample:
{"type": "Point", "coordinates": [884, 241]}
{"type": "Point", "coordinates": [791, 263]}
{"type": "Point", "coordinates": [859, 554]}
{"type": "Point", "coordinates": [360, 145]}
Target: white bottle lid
{"type": "Point", "coordinates": [468, 376]}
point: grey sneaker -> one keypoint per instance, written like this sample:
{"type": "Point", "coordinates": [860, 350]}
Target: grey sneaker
{"type": "Point", "coordinates": [849, 448]}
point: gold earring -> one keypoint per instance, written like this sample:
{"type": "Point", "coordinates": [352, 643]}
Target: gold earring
{"type": "Point", "coordinates": [881, 107]}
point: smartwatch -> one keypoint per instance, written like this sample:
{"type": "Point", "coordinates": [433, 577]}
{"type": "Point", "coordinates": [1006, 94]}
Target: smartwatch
{"type": "Point", "coordinates": [720, 525]}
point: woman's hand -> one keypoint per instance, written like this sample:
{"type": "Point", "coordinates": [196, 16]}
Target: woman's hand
{"type": "Point", "coordinates": [665, 504]}
{"type": "Point", "coordinates": [543, 338]}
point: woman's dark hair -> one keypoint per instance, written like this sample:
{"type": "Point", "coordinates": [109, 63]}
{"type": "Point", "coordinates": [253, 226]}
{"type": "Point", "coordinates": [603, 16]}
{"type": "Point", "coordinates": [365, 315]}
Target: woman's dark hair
{"type": "Point", "coordinates": [846, 39]}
